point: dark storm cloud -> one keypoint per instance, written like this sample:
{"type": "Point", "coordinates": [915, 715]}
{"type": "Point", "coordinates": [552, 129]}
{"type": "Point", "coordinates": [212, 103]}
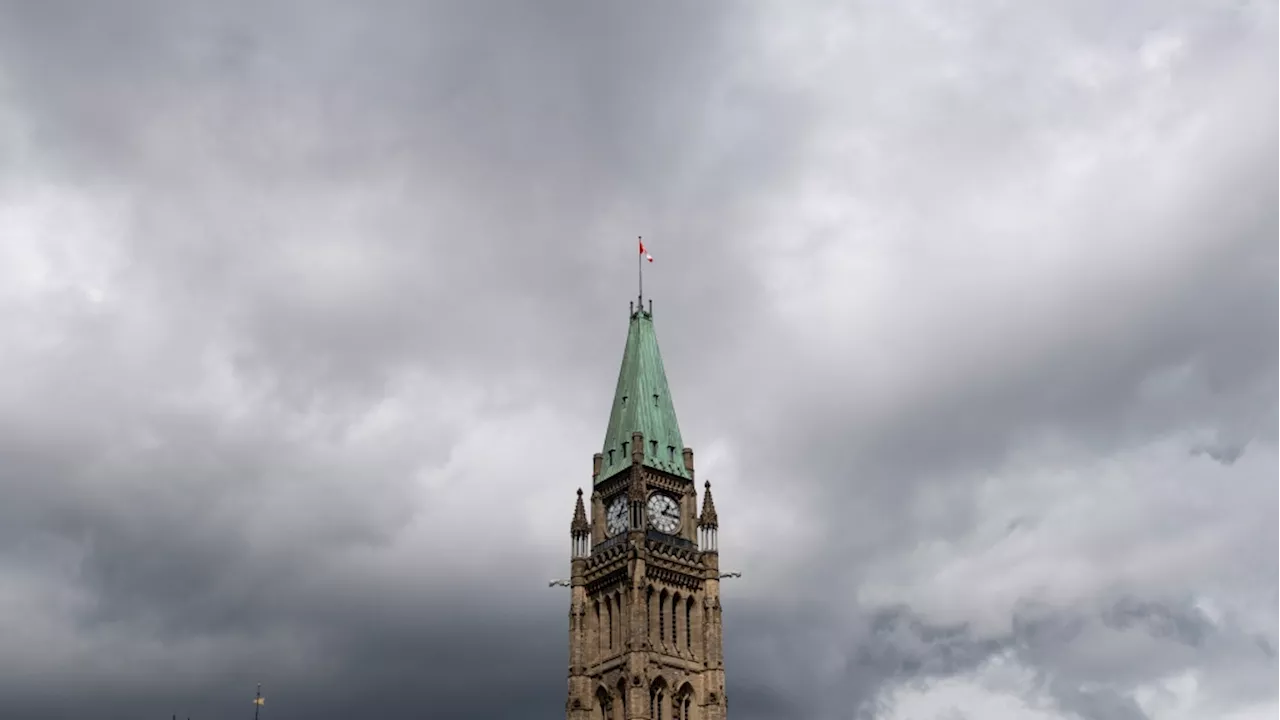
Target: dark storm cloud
{"type": "Point", "coordinates": [1118, 364]}
{"type": "Point", "coordinates": [474, 138]}
{"type": "Point", "coordinates": [364, 306]}
{"type": "Point", "coordinates": [1225, 453]}
{"type": "Point", "coordinates": [896, 645]}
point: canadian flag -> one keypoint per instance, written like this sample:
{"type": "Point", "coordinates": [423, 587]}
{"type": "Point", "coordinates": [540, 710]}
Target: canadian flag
{"type": "Point", "coordinates": [646, 255]}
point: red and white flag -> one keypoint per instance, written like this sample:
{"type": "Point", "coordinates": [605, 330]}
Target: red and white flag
{"type": "Point", "coordinates": [646, 255]}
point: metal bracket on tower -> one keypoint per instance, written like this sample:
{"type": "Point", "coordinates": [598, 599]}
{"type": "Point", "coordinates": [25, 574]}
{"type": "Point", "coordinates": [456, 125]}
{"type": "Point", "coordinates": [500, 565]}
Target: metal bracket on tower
{"type": "Point", "coordinates": [730, 575]}
{"type": "Point", "coordinates": [559, 583]}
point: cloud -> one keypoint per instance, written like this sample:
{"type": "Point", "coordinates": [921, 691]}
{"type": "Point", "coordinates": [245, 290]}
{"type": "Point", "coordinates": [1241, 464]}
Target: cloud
{"type": "Point", "coordinates": [311, 314]}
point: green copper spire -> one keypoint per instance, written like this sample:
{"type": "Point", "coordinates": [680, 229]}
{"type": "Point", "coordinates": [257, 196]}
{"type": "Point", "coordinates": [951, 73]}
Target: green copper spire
{"type": "Point", "coordinates": [642, 403]}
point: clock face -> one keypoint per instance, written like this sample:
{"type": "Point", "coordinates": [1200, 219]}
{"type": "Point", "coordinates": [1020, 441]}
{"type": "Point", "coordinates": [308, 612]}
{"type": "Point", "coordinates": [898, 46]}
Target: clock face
{"type": "Point", "coordinates": [616, 518]}
{"type": "Point", "coordinates": [664, 513]}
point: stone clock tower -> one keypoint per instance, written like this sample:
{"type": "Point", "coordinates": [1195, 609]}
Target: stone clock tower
{"type": "Point", "coordinates": [644, 620]}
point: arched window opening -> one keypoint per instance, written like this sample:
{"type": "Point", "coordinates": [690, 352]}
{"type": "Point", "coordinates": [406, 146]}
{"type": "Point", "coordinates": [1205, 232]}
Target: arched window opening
{"type": "Point", "coordinates": [658, 701]}
{"type": "Point", "coordinates": [604, 705]}
{"type": "Point", "coordinates": [675, 607]}
{"type": "Point", "coordinates": [648, 613]}
{"type": "Point", "coordinates": [595, 606]}
{"type": "Point", "coordinates": [688, 624]}
{"type": "Point", "coordinates": [682, 703]}
{"type": "Point", "coordinates": [662, 616]}
{"type": "Point", "coordinates": [622, 617]}
{"type": "Point", "coordinates": [608, 606]}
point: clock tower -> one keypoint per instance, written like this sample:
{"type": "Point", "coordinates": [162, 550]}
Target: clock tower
{"type": "Point", "coordinates": [644, 617]}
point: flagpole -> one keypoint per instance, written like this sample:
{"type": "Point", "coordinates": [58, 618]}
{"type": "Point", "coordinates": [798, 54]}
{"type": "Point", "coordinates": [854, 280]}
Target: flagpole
{"type": "Point", "coordinates": [257, 702]}
{"type": "Point", "coordinates": [640, 272]}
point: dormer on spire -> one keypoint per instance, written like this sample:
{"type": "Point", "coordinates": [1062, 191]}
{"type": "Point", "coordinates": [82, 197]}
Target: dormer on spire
{"type": "Point", "coordinates": [642, 404]}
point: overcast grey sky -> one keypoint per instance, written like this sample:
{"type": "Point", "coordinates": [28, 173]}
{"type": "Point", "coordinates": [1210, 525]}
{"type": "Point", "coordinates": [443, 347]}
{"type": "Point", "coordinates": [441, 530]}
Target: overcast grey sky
{"type": "Point", "coordinates": [310, 313]}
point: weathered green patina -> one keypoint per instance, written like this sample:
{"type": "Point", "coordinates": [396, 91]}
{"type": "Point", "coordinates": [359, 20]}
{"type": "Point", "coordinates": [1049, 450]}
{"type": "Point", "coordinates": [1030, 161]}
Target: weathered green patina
{"type": "Point", "coordinates": [642, 403]}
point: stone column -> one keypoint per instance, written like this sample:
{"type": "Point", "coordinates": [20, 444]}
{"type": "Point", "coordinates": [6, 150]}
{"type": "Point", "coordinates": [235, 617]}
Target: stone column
{"type": "Point", "coordinates": [713, 698]}
{"type": "Point", "coordinates": [578, 705]}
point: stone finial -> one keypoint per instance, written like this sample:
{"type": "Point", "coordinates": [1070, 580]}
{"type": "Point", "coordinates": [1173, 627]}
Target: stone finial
{"type": "Point", "coordinates": [708, 517]}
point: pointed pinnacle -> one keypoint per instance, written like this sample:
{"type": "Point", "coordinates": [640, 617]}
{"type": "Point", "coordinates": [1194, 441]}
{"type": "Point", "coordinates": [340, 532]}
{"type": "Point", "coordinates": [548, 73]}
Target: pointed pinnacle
{"type": "Point", "coordinates": [708, 518]}
{"type": "Point", "coordinates": [579, 516]}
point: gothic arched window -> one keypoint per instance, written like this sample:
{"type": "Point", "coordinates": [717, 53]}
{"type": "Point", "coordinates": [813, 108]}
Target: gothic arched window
{"type": "Point", "coordinates": [688, 624]}
{"type": "Point", "coordinates": [608, 606]}
{"type": "Point", "coordinates": [662, 616]}
{"type": "Point", "coordinates": [675, 631]}
{"type": "Point", "coordinates": [604, 705]}
{"type": "Point", "coordinates": [657, 701]}
{"type": "Point", "coordinates": [596, 607]}
{"type": "Point", "coordinates": [682, 703]}
{"type": "Point", "coordinates": [648, 613]}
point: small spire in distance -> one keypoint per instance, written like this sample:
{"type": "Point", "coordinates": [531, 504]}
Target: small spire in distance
{"type": "Point", "coordinates": [708, 518]}
{"type": "Point", "coordinates": [579, 516]}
